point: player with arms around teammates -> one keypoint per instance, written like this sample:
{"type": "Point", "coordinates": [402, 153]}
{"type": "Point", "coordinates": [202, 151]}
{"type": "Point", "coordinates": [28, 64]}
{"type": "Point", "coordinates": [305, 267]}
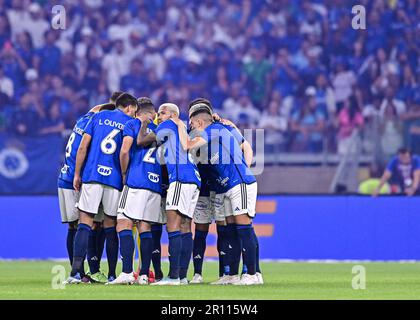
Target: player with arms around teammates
{"type": "Point", "coordinates": [98, 154]}
{"type": "Point", "coordinates": [68, 197]}
{"type": "Point", "coordinates": [236, 187]}
{"type": "Point", "coordinates": [228, 242]}
{"type": "Point", "coordinates": [140, 200]}
{"type": "Point", "coordinates": [182, 194]}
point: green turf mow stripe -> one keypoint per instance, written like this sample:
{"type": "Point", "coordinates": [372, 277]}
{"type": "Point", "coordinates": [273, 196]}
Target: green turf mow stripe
{"type": "Point", "coordinates": [32, 280]}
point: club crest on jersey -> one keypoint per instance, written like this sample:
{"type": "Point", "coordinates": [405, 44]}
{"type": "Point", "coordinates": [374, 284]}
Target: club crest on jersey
{"type": "Point", "coordinates": [154, 177]}
{"type": "Point", "coordinates": [104, 170]}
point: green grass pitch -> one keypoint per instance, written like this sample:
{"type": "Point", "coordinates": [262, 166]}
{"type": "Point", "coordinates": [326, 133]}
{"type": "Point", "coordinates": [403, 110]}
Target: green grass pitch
{"type": "Point", "coordinates": [33, 280]}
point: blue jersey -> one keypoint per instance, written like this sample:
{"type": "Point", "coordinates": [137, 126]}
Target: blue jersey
{"type": "Point", "coordinates": [403, 173]}
{"type": "Point", "coordinates": [226, 160]}
{"type": "Point", "coordinates": [144, 170]}
{"type": "Point", "coordinates": [179, 162]}
{"type": "Point", "coordinates": [103, 162]}
{"type": "Point", "coordinates": [207, 184]}
{"type": "Point", "coordinates": [65, 179]}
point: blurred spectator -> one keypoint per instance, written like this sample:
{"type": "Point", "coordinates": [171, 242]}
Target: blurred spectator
{"type": "Point", "coordinates": [6, 84]}
{"type": "Point", "coordinates": [5, 29]}
{"type": "Point", "coordinates": [343, 81]}
{"type": "Point", "coordinates": [25, 120]}
{"type": "Point", "coordinates": [391, 129]}
{"type": "Point", "coordinates": [115, 64]}
{"type": "Point", "coordinates": [349, 119]}
{"type": "Point", "coordinates": [52, 123]}
{"type": "Point", "coordinates": [307, 126]}
{"type": "Point", "coordinates": [270, 50]}
{"type": "Point", "coordinates": [35, 24]}
{"type": "Point", "coordinates": [48, 57]}
{"type": "Point", "coordinates": [275, 126]}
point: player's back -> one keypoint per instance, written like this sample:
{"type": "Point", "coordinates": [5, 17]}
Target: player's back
{"type": "Point", "coordinates": [67, 171]}
{"type": "Point", "coordinates": [227, 163]}
{"type": "Point", "coordinates": [181, 166]}
{"type": "Point", "coordinates": [102, 164]}
{"type": "Point", "coordinates": [144, 171]}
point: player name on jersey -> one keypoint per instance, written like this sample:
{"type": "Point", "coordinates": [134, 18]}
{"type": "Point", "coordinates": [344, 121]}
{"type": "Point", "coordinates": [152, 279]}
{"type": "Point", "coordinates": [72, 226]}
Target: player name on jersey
{"type": "Point", "coordinates": [111, 123]}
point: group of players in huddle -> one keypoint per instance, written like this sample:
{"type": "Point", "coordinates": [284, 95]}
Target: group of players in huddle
{"type": "Point", "coordinates": [127, 165]}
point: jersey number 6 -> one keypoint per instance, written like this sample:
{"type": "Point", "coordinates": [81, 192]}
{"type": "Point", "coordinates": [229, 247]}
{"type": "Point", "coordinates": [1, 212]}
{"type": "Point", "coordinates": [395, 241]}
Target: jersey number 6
{"type": "Point", "coordinates": [108, 144]}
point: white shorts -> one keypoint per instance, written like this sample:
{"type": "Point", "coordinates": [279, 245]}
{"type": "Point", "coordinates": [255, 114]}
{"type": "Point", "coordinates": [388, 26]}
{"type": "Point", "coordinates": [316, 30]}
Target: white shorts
{"type": "Point", "coordinates": [182, 197]}
{"type": "Point", "coordinates": [93, 194]}
{"type": "Point", "coordinates": [67, 199]}
{"type": "Point", "coordinates": [139, 205]}
{"type": "Point", "coordinates": [241, 199]}
{"type": "Point", "coordinates": [204, 210]}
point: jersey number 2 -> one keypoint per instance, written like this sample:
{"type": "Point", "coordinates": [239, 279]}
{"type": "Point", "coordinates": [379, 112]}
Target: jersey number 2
{"type": "Point", "coordinates": [148, 156]}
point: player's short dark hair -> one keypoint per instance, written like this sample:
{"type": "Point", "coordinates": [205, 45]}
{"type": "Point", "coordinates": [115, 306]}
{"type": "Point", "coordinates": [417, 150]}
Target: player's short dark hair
{"type": "Point", "coordinates": [124, 100]}
{"type": "Point", "coordinates": [404, 150]}
{"type": "Point", "coordinates": [144, 102]}
{"type": "Point", "coordinates": [115, 95]}
{"type": "Point", "coordinates": [107, 106]}
{"type": "Point", "coordinates": [201, 111]}
{"type": "Point", "coordinates": [200, 100]}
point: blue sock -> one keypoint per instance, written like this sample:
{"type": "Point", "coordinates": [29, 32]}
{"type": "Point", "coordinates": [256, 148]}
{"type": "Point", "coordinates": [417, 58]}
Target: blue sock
{"type": "Point", "coordinates": [234, 248]}
{"type": "Point", "coordinates": [146, 248]}
{"type": "Point", "coordinates": [70, 243]}
{"type": "Point", "coordinates": [257, 252]}
{"type": "Point", "coordinates": [92, 256]}
{"type": "Point", "coordinates": [156, 252]}
{"type": "Point", "coordinates": [223, 249]}
{"type": "Point", "coordinates": [80, 247]}
{"type": "Point", "coordinates": [111, 250]}
{"type": "Point", "coordinates": [249, 247]}
{"type": "Point", "coordinates": [186, 251]}
{"type": "Point", "coordinates": [174, 249]}
{"type": "Point", "coordinates": [199, 248]}
{"type": "Point", "coordinates": [126, 250]}
{"type": "Point", "coordinates": [100, 244]}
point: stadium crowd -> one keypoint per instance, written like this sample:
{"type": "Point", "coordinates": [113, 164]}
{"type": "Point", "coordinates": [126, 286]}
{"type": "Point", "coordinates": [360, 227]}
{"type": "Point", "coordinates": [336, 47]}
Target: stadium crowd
{"type": "Point", "coordinates": [296, 68]}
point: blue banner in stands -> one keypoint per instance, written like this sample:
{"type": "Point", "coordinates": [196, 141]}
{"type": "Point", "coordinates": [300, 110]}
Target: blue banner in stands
{"type": "Point", "coordinates": [29, 165]}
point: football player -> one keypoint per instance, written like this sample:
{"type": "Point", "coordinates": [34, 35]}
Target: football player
{"type": "Point", "coordinates": [102, 180]}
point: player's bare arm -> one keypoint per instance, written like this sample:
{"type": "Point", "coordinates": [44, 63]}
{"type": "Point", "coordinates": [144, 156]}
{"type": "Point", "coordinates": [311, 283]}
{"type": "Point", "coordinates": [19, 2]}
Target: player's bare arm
{"type": "Point", "coordinates": [125, 155]}
{"type": "Point", "coordinates": [144, 138]}
{"type": "Point", "coordinates": [80, 160]}
{"type": "Point", "coordinates": [186, 142]}
{"type": "Point", "coordinates": [385, 177]}
{"type": "Point", "coordinates": [248, 152]}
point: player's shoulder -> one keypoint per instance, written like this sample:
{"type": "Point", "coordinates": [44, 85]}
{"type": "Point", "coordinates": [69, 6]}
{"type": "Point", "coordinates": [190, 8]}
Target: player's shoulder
{"type": "Point", "coordinates": [166, 124]}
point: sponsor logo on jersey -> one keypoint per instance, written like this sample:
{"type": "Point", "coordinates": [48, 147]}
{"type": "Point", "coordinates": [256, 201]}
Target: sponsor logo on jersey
{"type": "Point", "coordinates": [104, 170]}
{"type": "Point", "coordinates": [154, 177]}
